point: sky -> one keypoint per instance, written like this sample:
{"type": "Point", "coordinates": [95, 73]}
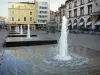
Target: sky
{"type": "Point", "coordinates": [54, 4]}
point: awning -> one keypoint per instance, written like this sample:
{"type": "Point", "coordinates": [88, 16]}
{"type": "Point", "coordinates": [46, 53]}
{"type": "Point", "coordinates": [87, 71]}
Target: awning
{"type": "Point", "coordinates": [69, 24]}
{"type": "Point", "coordinates": [98, 23]}
{"type": "Point", "coordinates": [82, 23]}
{"type": "Point", "coordinates": [74, 24]}
{"type": "Point", "coordinates": [89, 23]}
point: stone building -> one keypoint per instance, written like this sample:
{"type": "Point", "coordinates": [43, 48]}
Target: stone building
{"type": "Point", "coordinates": [82, 13]}
{"type": "Point", "coordinates": [57, 19]}
{"type": "Point", "coordinates": [59, 14]}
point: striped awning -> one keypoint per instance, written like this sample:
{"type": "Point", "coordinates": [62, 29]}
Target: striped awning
{"type": "Point", "coordinates": [82, 23]}
{"type": "Point", "coordinates": [97, 23]}
{"type": "Point", "coordinates": [69, 24]}
{"type": "Point", "coordinates": [89, 23]}
{"type": "Point", "coordinates": [74, 24]}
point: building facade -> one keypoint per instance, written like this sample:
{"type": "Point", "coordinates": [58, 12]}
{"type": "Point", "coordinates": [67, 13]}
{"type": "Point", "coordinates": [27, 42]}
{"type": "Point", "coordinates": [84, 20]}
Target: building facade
{"type": "Point", "coordinates": [59, 14]}
{"type": "Point", "coordinates": [21, 13]}
{"type": "Point", "coordinates": [96, 14]}
{"type": "Point", "coordinates": [82, 13]}
{"type": "Point", "coordinates": [52, 15]}
{"type": "Point", "coordinates": [42, 14]}
{"type": "Point", "coordinates": [57, 19]}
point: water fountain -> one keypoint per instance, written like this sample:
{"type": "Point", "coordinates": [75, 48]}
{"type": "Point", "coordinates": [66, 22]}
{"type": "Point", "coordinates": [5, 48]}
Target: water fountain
{"type": "Point", "coordinates": [28, 31]}
{"type": "Point", "coordinates": [21, 31]}
{"type": "Point", "coordinates": [63, 46]}
{"type": "Point", "coordinates": [18, 29]}
{"type": "Point", "coordinates": [42, 60]}
{"type": "Point", "coordinates": [15, 29]}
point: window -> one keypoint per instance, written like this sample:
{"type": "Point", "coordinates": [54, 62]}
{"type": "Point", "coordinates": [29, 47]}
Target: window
{"type": "Point", "coordinates": [82, 2]}
{"type": "Point", "coordinates": [18, 19]}
{"type": "Point", "coordinates": [45, 7]}
{"type": "Point", "coordinates": [40, 7]}
{"type": "Point", "coordinates": [89, 9]}
{"type": "Point", "coordinates": [70, 6]}
{"type": "Point", "coordinates": [12, 6]}
{"type": "Point", "coordinates": [89, 1]}
{"type": "Point", "coordinates": [40, 12]}
{"type": "Point", "coordinates": [19, 6]}
{"type": "Point", "coordinates": [24, 6]}
{"type": "Point", "coordinates": [12, 11]}
{"type": "Point", "coordinates": [81, 11]}
{"type": "Point", "coordinates": [70, 14]}
{"type": "Point", "coordinates": [75, 12]}
{"type": "Point", "coordinates": [45, 11]}
{"type": "Point", "coordinates": [45, 16]}
{"type": "Point", "coordinates": [12, 18]}
{"type": "Point", "coordinates": [24, 18]}
{"type": "Point", "coordinates": [75, 4]}
{"type": "Point", "coordinates": [30, 7]}
{"type": "Point", "coordinates": [30, 13]}
{"type": "Point", "coordinates": [24, 13]}
{"type": "Point", "coordinates": [30, 18]}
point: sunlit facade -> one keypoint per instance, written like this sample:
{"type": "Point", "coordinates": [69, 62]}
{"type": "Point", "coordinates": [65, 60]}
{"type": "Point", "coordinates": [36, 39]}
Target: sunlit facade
{"type": "Point", "coordinates": [21, 13]}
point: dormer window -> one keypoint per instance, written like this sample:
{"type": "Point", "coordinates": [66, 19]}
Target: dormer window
{"type": "Point", "coordinates": [90, 1]}
{"type": "Point", "coordinates": [81, 2]}
{"type": "Point", "coordinates": [70, 6]}
{"type": "Point", "coordinates": [75, 4]}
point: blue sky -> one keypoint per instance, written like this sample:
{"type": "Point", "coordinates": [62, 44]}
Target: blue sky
{"type": "Point", "coordinates": [54, 4]}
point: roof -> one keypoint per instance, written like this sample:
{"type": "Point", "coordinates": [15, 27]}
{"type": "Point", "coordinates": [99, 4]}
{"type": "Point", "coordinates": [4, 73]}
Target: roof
{"type": "Point", "coordinates": [23, 2]}
{"type": "Point", "coordinates": [52, 11]}
{"type": "Point", "coordinates": [1, 17]}
{"type": "Point", "coordinates": [67, 1]}
{"type": "Point", "coordinates": [62, 6]}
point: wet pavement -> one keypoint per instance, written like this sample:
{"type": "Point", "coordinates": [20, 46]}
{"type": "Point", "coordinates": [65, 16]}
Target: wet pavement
{"type": "Point", "coordinates": [39, 60]}
{"type": "Point", "coordinates": [3, 35]}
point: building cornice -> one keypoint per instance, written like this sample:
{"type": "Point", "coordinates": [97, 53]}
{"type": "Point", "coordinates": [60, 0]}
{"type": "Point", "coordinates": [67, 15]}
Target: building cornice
{"type": "Point", "coordinates": [23, 2]}
{"type": "Point", "coordinates": [67, 1]}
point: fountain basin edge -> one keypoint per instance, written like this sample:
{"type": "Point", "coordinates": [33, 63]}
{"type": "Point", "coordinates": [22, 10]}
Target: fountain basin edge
{"type": "Point", "coordinates": [30, 43]}
{"type": "Point", "coordinates": [18, 35]}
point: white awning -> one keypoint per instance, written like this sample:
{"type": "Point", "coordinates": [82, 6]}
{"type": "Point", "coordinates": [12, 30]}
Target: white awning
{"type": "Point", "coordinates": [89, 23]}
{"type": "Point", "coordinates": [81, 23]}
{"type": "Point", "coordinates": [97, 23]}
{"type": "Point", "coordinates": [74, 24]}
{"type": "Point", "coordinates": [69, 24]}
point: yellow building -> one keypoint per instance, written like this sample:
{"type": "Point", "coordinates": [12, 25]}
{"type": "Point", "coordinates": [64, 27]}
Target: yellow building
{"type": "Point", "coordinates": [21, 13]}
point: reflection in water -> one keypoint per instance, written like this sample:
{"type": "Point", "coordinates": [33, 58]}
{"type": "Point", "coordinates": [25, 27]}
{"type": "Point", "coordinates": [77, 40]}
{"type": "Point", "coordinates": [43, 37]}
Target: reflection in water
{"type": "Point", "coordinates": [38, 60]}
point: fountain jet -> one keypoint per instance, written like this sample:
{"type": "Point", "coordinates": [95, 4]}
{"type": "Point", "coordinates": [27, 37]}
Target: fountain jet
{"type": "Point", "coordinates": [18, 29]}
{"type": "Point", "coordinates": [28, 31]}
{"type": "Point", "coordinates": [63, 46]}
{"type": "Point", "coordinates": [21, 31]}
